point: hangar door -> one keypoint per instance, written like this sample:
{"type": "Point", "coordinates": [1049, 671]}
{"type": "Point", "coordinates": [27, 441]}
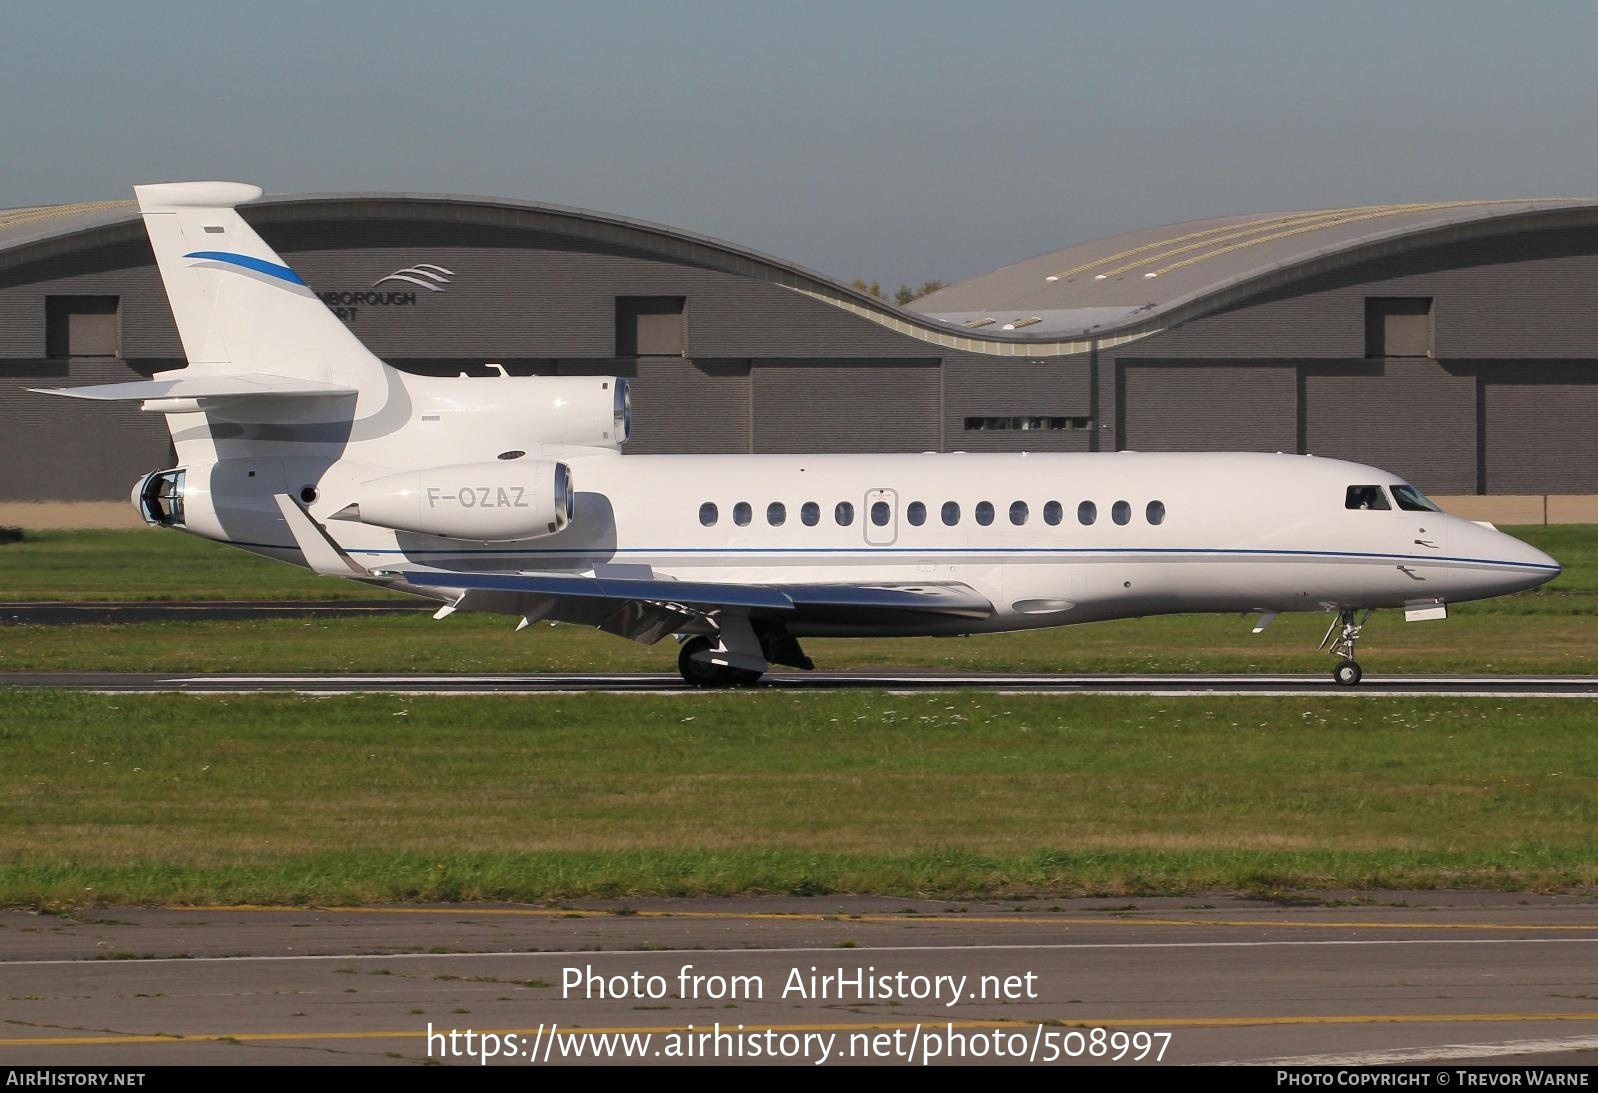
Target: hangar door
{"type": "Point", "coordinates": [1208, 407]}
{"type": "Point", "coordinates": [846, 406]}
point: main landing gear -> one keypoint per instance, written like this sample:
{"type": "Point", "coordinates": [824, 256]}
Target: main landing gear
{"type": "Point", "coordinates": [739, 653]}
{"type": "Point", "coordinates": [700, 672]}
{"type": "Point", "coordinates": [1347, 672]}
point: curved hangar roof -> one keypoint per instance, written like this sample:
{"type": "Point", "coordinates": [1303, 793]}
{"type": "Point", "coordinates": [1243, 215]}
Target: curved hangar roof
{"type": "Point", "coordinates": [1104, 292]}
{"type": "Point", "coordinates": [1139, 282]}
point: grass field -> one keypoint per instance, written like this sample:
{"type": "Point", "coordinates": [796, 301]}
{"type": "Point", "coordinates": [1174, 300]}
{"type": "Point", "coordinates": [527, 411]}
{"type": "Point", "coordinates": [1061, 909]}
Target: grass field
{"type": "Point", "coordinates": [1554, 629]}
{"type": "Point", "coordinates": [119, 799]}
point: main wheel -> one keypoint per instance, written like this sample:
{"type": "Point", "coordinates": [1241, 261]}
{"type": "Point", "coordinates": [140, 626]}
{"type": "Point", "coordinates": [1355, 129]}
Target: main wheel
{"type": "Point", "coordinates": [697, 673]}
{"type": "Point", "coordinates": [1347, 672]}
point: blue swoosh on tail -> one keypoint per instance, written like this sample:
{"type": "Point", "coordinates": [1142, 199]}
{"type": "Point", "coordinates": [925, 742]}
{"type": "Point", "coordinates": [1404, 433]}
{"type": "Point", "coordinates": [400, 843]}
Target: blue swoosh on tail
{"type": "Point", "coordinates": [259, 265]}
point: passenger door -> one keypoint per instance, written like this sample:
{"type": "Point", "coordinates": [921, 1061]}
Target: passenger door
{"type": "Point", "coordinates": [881, 521]}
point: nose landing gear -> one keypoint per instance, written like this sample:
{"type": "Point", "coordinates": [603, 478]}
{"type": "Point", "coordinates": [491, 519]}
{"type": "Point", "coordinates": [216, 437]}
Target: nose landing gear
{"type": "Point", "coordinates": [1347, 672]}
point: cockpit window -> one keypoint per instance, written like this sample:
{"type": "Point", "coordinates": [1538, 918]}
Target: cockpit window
{"type": "Point", "coordinates": [1366, 497]}
{"type": "Point", "coordinates": [1412, 500]}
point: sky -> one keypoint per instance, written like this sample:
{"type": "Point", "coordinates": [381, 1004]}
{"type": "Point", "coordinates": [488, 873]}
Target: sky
{"type": "Point", "coordinates": [893, 141]}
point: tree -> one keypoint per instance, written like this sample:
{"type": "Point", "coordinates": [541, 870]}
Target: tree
{"type": "Point", "coordinates": [906, 294]}
{"type": "Point", "coordinates": [872, 289]}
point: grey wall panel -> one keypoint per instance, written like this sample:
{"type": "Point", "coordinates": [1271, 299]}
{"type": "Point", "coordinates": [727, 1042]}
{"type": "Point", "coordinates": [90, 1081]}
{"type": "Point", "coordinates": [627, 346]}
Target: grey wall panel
{"type": "Point", "coordinates": [684, 406]}
{"type": "Point", "coordinates": [1202, 408]}
{"type": "Point", "coordinates": [522, 293]}
{"type": "Point", "coordinates": [1414, 417]}
{"type": "Point", "coordinates": [126, 270]}
{"type": "Point", "coordinates": [1540, 435]}
{"type": "Point", "coordinates": [845, 406]}
{"type": "Point", "coordinates": [58, 449]}
{"type": "Point", "coordinates": [997, 387]}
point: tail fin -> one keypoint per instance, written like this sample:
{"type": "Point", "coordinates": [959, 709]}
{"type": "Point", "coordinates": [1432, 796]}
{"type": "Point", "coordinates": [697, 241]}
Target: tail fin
{"type": "Point", "coordinates": [238, 306]}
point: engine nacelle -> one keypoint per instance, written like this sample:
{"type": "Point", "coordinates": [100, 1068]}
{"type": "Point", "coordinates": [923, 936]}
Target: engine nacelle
{"type": "Point", "coordinates": [594, 411]}
{"type": "Point", "coordinates": [483, 502]}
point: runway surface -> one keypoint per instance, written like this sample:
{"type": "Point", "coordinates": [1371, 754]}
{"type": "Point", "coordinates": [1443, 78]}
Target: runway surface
{"type": "Point", "coordinates": [1455, 978]}
{"type": "Point", "coordinates": [1578, 687]}
{"type": "Point", "coordinates": [73, 613]}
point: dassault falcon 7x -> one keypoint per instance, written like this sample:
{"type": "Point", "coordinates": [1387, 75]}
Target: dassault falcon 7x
{"type": "Point", "coordinates": [511, 495]}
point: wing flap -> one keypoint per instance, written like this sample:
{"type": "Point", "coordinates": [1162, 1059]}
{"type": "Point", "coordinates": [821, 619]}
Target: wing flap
{"type": "Point", "coordinates": [696, 594]}
{"type": "Point", "coordinates": [237, 385]}
{"type": "Point", "coordinates": [934, 598]}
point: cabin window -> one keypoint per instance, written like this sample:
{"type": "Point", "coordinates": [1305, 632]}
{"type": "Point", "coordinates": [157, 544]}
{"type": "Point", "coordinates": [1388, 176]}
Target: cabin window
{"type": "Point", "coordinates": [1086, 513]}
{"type": "Point", "coordinates": [1121, 512]}
{"type": "Point", "coordinates": [1366, 497]}
{"type": "Point", "coordinates": [1018, 513]}
{"type": "Point", "coordinates": [776, 514]}
{"type": "Point", "coordinates": [879, 513]}
{"type": "Point", "coordinates": [984, 513]}
{"type": "Point", "coordinates": [916, 513]}
{"type": "Point", "coordinates": [1053, 513]}
{"type": "Point", "coordinates": [1412, 500]}
{"type": "Point", "coordinates": [1155, 513]}
{"type": "Point", "coordinates": [844, 514]}
{"type": "Point", "coordinates": [951, 513]}
{"type": "Point", "coordinates": [742, 513]}
{"type": "Point", "coordinates": [810, 513]}
{"type": "Point", "coordinates": [708, 514]}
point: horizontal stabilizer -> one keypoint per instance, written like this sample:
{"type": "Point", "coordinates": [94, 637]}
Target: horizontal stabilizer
{"type": "Point", "coordinates": [236, 385]}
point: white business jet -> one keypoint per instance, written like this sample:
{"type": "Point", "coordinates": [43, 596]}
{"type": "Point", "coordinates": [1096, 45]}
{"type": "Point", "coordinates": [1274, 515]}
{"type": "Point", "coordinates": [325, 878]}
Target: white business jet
{"type": "Point", "coordinates": [510, 495]}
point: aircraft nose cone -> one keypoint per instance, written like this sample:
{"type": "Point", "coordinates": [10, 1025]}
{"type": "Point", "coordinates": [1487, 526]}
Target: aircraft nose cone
{"type": "Point", "coordinates": [1539, 568]}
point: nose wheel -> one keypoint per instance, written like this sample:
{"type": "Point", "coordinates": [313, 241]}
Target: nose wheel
{"type": "Point", "coordinates": [1348, 672]}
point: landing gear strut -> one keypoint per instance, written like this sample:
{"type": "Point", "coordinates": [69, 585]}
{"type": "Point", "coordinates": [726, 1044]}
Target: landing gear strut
{"type": "Point", "coordinates": [1348, 671]}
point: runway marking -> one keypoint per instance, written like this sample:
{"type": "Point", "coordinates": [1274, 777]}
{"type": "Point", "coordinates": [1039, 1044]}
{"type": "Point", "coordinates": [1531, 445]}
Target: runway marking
{"type": "Point", "coordinates": [1074, 1021]}
{"type": "Point", "coordinates": [785, 949]}
{"type": "Point", "coordinates": [1400, 1056]}
{"type": "Point", "coordinates": [1117, 918]}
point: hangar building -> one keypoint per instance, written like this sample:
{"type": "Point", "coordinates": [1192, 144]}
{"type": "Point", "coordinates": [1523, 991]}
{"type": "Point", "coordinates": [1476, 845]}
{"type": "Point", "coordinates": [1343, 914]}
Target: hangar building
{"type": "Point", "coordinates": [1453, 342]}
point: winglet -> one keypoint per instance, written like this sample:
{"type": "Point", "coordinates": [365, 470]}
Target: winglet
{"type": "Point", "coordinates": [322, 554]}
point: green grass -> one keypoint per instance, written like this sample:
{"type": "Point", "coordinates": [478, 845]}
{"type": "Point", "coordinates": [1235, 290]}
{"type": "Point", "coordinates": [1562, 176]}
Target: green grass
{"type": "Point", "coordinates": [1554, 629]}
{"type": "Point", "coordinates": [286, 799]}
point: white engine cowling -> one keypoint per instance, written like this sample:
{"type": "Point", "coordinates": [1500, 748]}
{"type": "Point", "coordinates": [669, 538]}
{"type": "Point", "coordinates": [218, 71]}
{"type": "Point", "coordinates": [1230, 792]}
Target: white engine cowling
{"type": "Point", "coordinates": [483, 502]}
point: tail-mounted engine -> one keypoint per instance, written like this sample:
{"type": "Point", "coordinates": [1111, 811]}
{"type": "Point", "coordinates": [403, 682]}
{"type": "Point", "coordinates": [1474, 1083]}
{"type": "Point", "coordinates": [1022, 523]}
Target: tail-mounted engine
{"type": "Point", "coordinates": [484, 502]}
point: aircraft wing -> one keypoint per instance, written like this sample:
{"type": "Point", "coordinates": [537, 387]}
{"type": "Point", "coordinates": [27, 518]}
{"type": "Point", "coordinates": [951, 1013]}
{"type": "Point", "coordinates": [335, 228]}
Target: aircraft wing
{"type": "Point", "coordinates": [648, 608]}
{"type": "Point", "coordinates": [238, 385]}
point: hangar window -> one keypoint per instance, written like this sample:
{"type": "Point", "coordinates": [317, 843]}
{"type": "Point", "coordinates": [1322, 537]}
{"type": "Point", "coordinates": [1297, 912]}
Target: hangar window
{"type": "Point", "coordinates": [708, 514]}
{"type": "Point", "coordinates": [742, 514]}
{"type": "Point", "coordinates": [1121, 512]}
{"type": "Point", "coordinates": [776, 514]}
{"type": "Point", "coordinates": [82, 326]}
{"type": "Point", "coordinates": [843, 513]}
{"type": "Point", "coordinates": [1086, 513]}
{"type": "Point", "coordinates": [1025, 424]}
{"type": "Point", "coordinates": [650, 326]}
{"type": "Point", "coordinates": [810, 513]}
{"type": "Point", "coordinates": [1365, 497]}
{"type": "Point", "coordinates": [984, 513]}
{"type": "Point", "coordinates": [916, 513]}
{"type": "Point", "coordinates": [1053, 513]}
{"type": "Point", "coordinates": [1155, 513]}
{"type": "Point", "coordinates": [1398, 326]}
{"type": "Point", "coordinates": [1018, 513]}
{"type": "Point", "coordinates": [951, 513]}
